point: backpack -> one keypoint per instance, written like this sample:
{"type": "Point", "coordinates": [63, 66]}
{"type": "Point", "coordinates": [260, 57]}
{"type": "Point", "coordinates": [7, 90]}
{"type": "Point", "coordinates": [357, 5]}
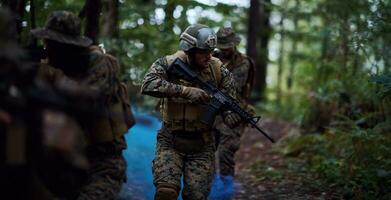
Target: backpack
{"type": "Point", "coordinates": [121, 92]}
{"type": "Point", "coordinates": [247, 88]}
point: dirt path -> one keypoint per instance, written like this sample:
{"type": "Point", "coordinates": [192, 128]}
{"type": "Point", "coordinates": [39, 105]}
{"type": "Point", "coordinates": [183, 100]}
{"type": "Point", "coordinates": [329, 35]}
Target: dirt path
{"type": "Point", "coordinates": [271, 179]}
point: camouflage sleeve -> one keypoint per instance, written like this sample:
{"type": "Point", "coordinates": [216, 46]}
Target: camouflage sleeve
{"type": "Point", "coordinates": [227, 84]}
{"type": "Point", "coordinates": [240, 74]}
{"type": "Point", "coordinates": [155, 82]}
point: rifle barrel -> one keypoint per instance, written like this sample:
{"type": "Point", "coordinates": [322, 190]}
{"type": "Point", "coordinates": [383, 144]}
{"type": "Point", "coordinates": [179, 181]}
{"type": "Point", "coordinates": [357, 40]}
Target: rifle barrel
{"type": "Point", "coordinates": [254, 125]}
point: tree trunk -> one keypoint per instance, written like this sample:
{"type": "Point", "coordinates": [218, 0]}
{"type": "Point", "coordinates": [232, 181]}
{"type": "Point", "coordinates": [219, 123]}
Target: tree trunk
{"type": "Point", "coordinates": [386, 51]}
{"type": "Point", "coordinates": [262, 60]}
{"type": "Point", "coordinates": [17, 8]}
{"type": "Point", "coordinates": [169, 21]}
{"type": "Point", "coordinates": [32, 21]}
{"type": "Point", "coordinates": [345, 43]}
{"type": "Point", "coordinates": [253, 29]}
{"type": "Point", "coordinates": [92, 10]}
{"type": "Point", "coordinates": [292, 57]}
{"type": "Point", "coordinates": [280, 60]}
{"type": "Point", "coordinates": [321, 74]}
{"type": "Point", "coordinates": [110, 27]}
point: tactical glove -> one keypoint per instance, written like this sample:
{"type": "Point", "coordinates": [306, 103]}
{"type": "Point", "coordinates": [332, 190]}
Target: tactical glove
{"type": "Point", "coordinates": [232, 119]}
{"type": "Point", "coordinates": [194, 94]}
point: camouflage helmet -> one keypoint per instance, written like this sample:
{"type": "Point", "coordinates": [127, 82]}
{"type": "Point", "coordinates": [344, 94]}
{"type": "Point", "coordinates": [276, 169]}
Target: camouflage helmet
{"type": "Point", "coordinates": [63, 27]}
{"type": "Point", "coordinates": [198, 36]}
{"type": "Point", "coordinates": [227, 38]}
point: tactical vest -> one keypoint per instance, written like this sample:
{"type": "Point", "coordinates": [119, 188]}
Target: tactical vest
{"type": "Point", "coordinates": [248, 87]}
{"type": "Point", "coordinates": [179, 113]}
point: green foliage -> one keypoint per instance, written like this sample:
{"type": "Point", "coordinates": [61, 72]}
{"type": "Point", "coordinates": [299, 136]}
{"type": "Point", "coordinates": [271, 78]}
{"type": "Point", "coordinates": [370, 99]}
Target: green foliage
{"type": "Point", "coordinates": [335, 79]}
{"type": "Point", "coordinates": [145, 35]}
{"type": "Point", "coordinates": [42, 10]}
{"type": "Point", "coordinates": [384, 82]}
{"type": "Point", "coordinates": [330, 49]}
{"type": "Point", "coordinates": [263, 171]}
{"type": "Point", "coordinates": [356, 163]}
{"type": "Point", "coordinates": [341, 44]}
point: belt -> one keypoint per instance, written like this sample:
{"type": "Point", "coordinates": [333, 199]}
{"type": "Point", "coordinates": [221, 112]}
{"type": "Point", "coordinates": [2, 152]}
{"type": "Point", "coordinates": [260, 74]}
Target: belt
{"type": "Point", "coordinates": [189, 126]}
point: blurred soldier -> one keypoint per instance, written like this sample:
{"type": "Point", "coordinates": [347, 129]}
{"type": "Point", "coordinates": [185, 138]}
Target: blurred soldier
{"type": "Point", "coordinates": [13, 131]}
{"type": "Point", "coordinates": [39, 146]}
{"type": "Point", "coordinates": [242, 69]}
{"type": "Point", "coordinates": [72, 62]}
{"type": "Point", "coordinates": [185, 145]}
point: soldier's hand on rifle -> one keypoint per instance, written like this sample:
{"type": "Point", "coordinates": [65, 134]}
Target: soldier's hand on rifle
{"type": "Point", "coordinates": [232, 119]}
{"type": "Point", "coordinates": [195, 94]}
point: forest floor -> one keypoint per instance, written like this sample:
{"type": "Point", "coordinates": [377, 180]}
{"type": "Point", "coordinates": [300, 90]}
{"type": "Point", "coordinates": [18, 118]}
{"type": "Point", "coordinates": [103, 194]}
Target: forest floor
{"type": "Point", "coordinates": [263, 173]}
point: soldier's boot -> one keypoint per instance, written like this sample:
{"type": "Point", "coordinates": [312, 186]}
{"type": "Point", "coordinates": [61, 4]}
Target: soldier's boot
{"type": "Point", "coordinates": [165, 192]}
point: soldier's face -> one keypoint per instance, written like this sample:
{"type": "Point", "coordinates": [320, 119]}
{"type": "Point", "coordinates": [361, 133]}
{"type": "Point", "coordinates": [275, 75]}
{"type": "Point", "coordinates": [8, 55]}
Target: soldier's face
{"type": "Point", "coordinates": [202, 57]}
{"type": "Point", "coordinates": [71, 59]}
{"type": "Point", "coordinates": [54, 52]}
{"type": "Point", "coordinates": [227, 53]}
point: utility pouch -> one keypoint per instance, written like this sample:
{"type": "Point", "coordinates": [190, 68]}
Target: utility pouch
{"type": "Point", "coordinates": [188, 142]}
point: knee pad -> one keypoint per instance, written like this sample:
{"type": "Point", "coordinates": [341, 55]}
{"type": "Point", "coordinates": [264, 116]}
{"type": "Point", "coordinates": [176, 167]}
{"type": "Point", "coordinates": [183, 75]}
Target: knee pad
{"type": "Point", "coordinates": [166, 193]}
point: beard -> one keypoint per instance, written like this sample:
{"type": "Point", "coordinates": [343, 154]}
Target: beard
{"type": "Point", "coordinates": [226, 54]}
{"type": "Point", "coordinates": [196, 64]}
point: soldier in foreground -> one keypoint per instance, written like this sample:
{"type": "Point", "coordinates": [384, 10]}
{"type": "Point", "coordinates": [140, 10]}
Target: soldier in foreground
{"type": "Point", "coordinates": [39, 136]}
{"type": "Point", "coordinates": [73, 63]}
{"type": "Point", "coordinates": [242, 69]}
{"type": "Point", "coordinates": [185, 146]}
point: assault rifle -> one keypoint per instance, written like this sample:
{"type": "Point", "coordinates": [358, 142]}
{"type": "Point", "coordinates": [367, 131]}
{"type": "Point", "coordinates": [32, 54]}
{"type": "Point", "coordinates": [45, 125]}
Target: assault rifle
{"type": "Point", "coordinates": [37, 97]}
{"type": "Point", "coordinates": [218, 101]}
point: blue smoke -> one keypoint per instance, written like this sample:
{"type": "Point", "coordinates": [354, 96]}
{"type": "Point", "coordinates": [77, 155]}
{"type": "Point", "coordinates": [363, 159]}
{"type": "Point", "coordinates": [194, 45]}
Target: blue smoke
{"type": "Point", "coordinates": [141, 141]}
{"type": "Point", "coordinates": [223, 187]}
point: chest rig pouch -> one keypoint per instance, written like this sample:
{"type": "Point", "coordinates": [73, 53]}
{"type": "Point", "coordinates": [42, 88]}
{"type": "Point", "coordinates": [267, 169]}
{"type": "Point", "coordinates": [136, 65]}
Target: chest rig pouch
{"type": "Point", "coordinates": [181, 115]}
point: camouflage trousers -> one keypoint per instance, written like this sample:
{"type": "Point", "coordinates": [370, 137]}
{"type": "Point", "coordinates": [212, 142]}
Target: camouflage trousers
{"type": "Point", "coordinates": [173, 160]}
{"type": "Point", "coordinates": [228, 143]}
{"type": "Point", "coordinates": [106, 174]}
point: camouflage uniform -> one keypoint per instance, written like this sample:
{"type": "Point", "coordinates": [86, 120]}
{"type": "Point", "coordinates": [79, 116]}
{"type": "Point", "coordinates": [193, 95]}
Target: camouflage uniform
{"type": "Point", "coordinates": [184, 145]}
{"type": "Point", "coordinates": [104, 134]}
{"type": "Point", "coordinates": [15, 168]}
{"type": "Point", "coordinates": [39, 137]}
{"type": "Point", "coordinates": [242, 70]}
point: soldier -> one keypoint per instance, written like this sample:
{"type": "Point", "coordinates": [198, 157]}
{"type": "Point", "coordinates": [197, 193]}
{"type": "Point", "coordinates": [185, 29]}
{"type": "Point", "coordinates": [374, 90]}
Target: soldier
{"type": "Point", "coordinates": [242, 70]}
{"type": "Point", "coordinates": [185, 146]}
{"type": "Point", "coordinates": [13, 131]}
{"type": "Point", "coordinates": [73, 62]}
{"type": "Point", "coordinates": [39, 140]}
